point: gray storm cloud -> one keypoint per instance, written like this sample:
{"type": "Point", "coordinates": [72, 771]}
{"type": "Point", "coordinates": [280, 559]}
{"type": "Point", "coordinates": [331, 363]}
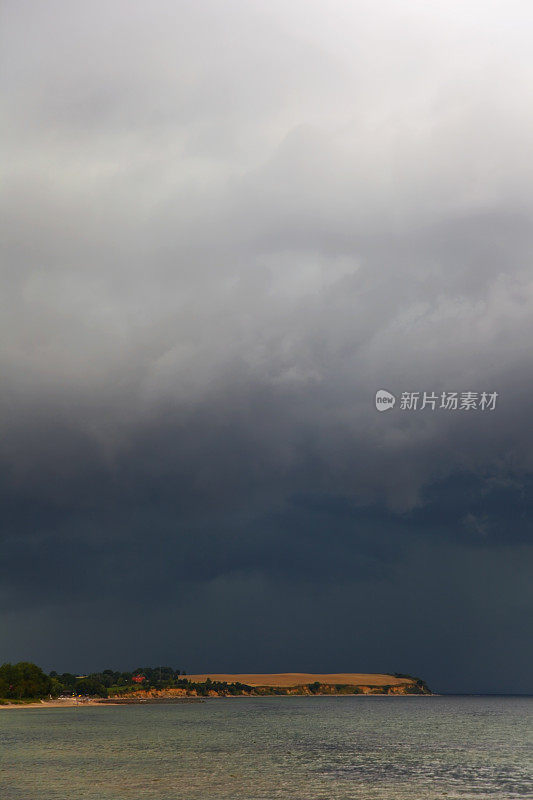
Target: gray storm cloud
{"type": "Point", "coordinates": [225, 227]}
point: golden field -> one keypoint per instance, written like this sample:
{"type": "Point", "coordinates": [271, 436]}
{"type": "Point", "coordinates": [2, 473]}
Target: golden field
{"type": "Point", "coordinates": [286, 679]}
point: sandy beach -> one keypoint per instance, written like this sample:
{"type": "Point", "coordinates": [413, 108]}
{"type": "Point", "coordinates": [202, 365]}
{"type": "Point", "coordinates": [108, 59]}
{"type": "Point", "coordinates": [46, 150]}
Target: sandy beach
{"type": "Point", "coordinates": [71, 702]}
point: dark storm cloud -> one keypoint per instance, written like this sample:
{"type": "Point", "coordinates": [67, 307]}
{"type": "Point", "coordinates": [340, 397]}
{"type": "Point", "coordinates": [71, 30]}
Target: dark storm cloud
{"type": "Point", "coordinates": [219, 241]}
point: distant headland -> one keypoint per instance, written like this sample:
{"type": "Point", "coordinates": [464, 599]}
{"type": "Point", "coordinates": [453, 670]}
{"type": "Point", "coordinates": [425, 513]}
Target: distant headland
{"type": "Point", "coordinates": [26, 684]}
{"type": "Point", "coordinates": [320, 683]}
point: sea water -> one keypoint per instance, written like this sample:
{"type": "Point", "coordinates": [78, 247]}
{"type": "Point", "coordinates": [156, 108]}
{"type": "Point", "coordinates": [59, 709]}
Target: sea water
{"type": "Point", "coordinates": [291, 748]}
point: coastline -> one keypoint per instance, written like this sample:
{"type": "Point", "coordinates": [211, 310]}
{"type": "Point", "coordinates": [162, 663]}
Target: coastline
{"type": "Point", "coordinates": [70, 703]}
{"type": "Point", "coordinates": [114, 702]}
{"type": "Point", "coordinates": [92, 702]}
{"type": "Point", "coordinates": [196, 688]}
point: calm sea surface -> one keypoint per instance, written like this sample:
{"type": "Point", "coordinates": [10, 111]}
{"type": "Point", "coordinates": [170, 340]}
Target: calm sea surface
{"type": "Point", "coordinates": [335, 748]}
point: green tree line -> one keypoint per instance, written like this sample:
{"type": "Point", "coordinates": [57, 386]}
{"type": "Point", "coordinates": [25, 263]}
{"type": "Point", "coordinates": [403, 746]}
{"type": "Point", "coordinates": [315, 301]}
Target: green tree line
{"type": "Point", "coordinates": [26, 681]}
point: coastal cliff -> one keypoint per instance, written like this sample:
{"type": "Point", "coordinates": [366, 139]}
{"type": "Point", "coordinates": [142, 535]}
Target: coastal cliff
{"type": "Point", "coordinates": [285, 684]}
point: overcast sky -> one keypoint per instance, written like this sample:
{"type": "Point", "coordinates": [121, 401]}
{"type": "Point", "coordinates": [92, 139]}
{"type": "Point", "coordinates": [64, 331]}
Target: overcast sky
{"type": "Point", "coordinates": [225, 226]}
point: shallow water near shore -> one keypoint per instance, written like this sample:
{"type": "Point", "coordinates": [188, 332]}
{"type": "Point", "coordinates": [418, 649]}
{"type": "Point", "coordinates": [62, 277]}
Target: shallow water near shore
{"type": "Point", "coordinates": [291, 748]}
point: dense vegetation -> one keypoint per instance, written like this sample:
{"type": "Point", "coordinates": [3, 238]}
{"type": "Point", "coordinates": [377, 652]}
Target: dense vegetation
{"type": "Point", "coordinates": [111, 682]}
{"type": "Point", "coordinates": [24, 680]}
